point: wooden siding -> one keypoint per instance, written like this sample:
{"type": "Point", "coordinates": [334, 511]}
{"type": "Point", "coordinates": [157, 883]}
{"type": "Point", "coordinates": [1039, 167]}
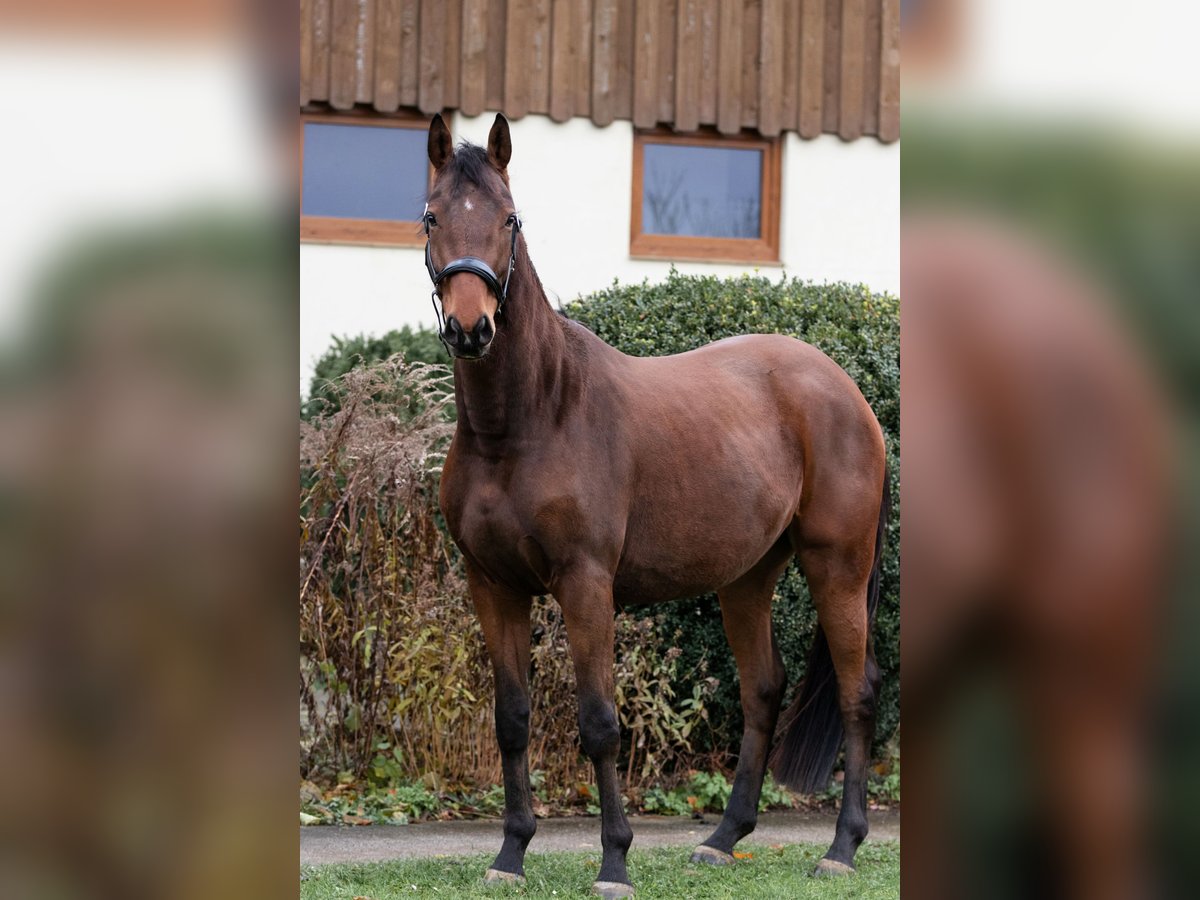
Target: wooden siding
{"type": "Point", "coordinates": [809, 66]}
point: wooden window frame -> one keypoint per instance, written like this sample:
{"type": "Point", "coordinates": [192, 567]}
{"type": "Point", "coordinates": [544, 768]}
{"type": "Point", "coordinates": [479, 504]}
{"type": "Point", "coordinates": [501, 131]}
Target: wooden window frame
{"type": "Point", "coordinates": [368, 232]}
{"type": "Point", "coordinates": [763, 249]}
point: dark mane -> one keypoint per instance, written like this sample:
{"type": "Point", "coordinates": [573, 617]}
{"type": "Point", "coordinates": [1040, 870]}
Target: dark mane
{"type": "Point", "coordinates": [469, 162]}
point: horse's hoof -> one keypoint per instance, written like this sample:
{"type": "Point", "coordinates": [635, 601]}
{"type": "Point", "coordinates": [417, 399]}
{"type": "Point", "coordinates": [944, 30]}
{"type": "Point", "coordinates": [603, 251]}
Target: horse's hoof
{"type": "Point", "coordinates": [495, 876]}
{"type": "Point", "coordinates": [831, 868]}
{"type": "Point", "coordinates": [712, 856]}
{"type": "Point", "coordinates": [610, 889]}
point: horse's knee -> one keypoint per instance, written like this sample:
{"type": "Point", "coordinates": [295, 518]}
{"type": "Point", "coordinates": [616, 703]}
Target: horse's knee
{"type": "Point", "coordinates": [512, 724]}
{"type": "Point", "coordinates": [599, 731]}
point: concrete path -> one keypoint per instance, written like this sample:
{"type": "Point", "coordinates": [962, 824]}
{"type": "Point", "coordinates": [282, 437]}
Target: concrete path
{"type": "Point", "coordinates": [320, 844]}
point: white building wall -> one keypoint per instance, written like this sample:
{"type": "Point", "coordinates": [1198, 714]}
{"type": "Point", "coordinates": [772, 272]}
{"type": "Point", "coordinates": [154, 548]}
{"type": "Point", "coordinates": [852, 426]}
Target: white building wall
{"type": "Point", "coordinates": [572, 183]}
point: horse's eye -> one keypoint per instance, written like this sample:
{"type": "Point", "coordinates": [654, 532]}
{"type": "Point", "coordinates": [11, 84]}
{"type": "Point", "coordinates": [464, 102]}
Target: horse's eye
{"type": "Point", "coordinates": [511, 220]}
{"type": "Point", "coordinates": [430, 219]}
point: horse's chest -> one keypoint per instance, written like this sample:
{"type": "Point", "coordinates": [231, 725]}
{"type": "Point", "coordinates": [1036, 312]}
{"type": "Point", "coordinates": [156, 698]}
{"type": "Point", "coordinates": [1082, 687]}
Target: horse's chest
{"type": "Point", "coordinates": [486, 519]}
{"type": "Point", "coordinates": [491, 525]}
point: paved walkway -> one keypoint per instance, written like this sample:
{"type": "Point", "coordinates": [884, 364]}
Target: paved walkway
{"type": "Point", "coordinates": [320, 844]}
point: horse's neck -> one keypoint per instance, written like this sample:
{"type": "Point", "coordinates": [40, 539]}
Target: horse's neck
{"type": "Point", "coordinates": [508, 391]}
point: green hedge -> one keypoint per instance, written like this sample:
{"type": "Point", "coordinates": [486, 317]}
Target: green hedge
{"type": "Point", "coordinates": [857, 328]}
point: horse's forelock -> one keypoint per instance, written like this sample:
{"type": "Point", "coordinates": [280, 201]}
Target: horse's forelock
{"type": "Point", "coordinates": [470, 164]}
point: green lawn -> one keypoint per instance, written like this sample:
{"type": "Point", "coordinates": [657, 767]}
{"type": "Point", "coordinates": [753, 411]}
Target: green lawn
{"type": "Point", "coordinates": [783, 872]}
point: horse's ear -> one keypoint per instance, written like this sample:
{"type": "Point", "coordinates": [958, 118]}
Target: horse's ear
{"type": "Point", "coordinates": [499, 144]}
{"type": "Point", "coordinates": [441, 145]}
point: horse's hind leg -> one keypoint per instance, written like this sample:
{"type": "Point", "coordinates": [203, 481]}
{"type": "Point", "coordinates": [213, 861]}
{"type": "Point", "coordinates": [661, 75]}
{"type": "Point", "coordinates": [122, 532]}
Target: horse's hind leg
{"type": "Point", "coordinates": [746, 613]}
{"type": "Point", "coordinates": [837, 578]}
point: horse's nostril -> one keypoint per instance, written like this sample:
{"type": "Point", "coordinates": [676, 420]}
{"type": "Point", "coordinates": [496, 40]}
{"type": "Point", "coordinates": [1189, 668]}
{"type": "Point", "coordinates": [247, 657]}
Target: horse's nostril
{"type": "Point", "coordinates": [453, 331]}
{"type": "Point", "coordinates": [484, 332]}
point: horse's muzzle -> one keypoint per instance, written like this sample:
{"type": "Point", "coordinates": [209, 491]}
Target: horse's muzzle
{"type": "Point", "coordinates": [471, 344]}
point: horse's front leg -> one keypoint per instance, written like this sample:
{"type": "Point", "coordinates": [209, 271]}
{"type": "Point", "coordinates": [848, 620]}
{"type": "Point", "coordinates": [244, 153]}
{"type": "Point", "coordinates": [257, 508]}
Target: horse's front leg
{"type": "Point", "coordinates": [504, 616]}
{"type": "Point", "coordinates": [587, 605]}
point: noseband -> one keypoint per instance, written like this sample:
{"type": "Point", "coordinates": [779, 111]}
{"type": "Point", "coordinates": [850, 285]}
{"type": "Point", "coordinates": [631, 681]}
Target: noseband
{"type": "Point", "coordinates": [475, 266]}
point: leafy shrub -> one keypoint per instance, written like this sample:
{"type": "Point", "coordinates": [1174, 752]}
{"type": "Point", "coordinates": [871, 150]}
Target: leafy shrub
{"type": "Point", "coordinates": [658, 729]}
{"type": "Point", "coordinates": [709, 792]}
{"type": "Point", "coordinates": [860, 330]}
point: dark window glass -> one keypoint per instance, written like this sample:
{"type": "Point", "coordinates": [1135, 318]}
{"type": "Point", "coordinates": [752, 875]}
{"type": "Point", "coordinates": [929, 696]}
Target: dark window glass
{"type": "Point", "coordinates": [364, 172]}
{"type": "Point", "coordinates": [701, 191]}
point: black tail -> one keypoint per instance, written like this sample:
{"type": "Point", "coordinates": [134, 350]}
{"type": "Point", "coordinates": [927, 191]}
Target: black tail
{"type": "Point", "coordinates": [803, 760]}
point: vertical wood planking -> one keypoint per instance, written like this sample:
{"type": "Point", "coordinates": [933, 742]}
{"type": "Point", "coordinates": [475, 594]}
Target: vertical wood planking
{"type": "Point", "coordinates": [664, 46]}
{"type": "Point", "coordinates": [562, 82]}
{"type": "Point", "coordinates": [830, 106]}
{"type": "Point", "coordinates": [687, 66]}
{"type": "Point", "coordinates": [432, 84]}
{"type": "Point", "coordinates": [305, 51]}
{"type": "Point", "coordinates": [812, 67]}
{"type": "Point", "coordinates": [451, 99]}
{"type": "Point", "coordinates": [789, 102]}
{"type": "Point", "coordinates": [889, 71]}
{"type": "Point", "coordinates": [570, 59]}
{"type": "Point", "coordinates": [604, 50]}
{"type": "Point", "coordinates": [516, 68]}
{"type": "Point", "coordinates": [581, 30]}
{"type": "Point", "coordinates": [387, 55]}
{"type": "Point", "coordinates": [321, 25]}
{"type": "Point", "coordinates": [626, 41]}
{"type": "Point", "coordinates": [774, 65]}
{"type": "Point", "coordinates": [562, 58]}
{"type": "Point", "coordinates": [342, 57]}
{"type": "Point", "coordinates": [710, 14]}
{"type": "Point", "coordinates": [729, 66]}
{"type": "Point", "coordinates": [645, 64]}
{"type": "Point", "coordinates": [872, 44]}
{"type": "Point", "coordinates": [538, 59]}
{"type": "Point", "coordinates": [473, 85]}
{"type": "Point", "coordinates": [364, 52]}
{"type": "Point", "coordinates": [772, 45]}
{"type": "Point", "coordinates": [852, 63]}
{"type": "Point", "coordinates": [410, 57]}
{"type": "Point", "coordinates": [751, 36]}
{"type": "Point", "coordinates": [497, 46]}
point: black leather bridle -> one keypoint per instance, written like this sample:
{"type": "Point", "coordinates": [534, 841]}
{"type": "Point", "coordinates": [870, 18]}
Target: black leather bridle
{"type": "Point", "coordinates": [475, 266]}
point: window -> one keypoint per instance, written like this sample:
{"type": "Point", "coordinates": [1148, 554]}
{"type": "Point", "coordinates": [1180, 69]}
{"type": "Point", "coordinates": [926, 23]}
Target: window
{"type": "Point", "coordinates": [705, 197]}
{"type": "Point", "coordinates": [364, 179]}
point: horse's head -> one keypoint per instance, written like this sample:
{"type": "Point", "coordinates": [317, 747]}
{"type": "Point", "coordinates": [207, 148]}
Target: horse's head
{"type": "Point", "coordinates": [472, 227]}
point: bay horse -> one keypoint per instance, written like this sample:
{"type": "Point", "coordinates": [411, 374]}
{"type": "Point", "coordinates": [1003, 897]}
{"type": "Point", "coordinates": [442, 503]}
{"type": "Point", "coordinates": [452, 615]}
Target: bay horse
{"type": "Point", "coordinates": [604, 479]}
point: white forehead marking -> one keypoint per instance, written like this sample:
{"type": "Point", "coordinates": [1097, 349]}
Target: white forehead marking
{"type": "Point", "coordinates": [467, 205]}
